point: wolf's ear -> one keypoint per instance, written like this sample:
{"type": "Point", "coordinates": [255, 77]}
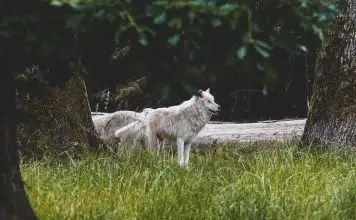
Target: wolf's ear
{"type": "Point", "coordinates": [208, 90]}
{"type": "Point", "coordinates": [199, 93]}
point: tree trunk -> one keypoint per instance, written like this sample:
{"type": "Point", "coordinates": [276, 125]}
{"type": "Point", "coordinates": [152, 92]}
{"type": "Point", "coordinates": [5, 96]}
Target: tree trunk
{"type": "Point", "coordinates": [57, 121]}
{"type": "Point", "coordinates": [332, 114]}
{"type": "Point", "coordinates": [13, 200]}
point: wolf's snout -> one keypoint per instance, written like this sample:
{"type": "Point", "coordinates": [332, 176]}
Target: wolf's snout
{"type": "Point", "coordinates": [218, 107]}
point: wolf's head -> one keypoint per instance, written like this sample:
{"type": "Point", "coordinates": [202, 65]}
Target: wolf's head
{"type": "Point", "coordinates": [206, 100]}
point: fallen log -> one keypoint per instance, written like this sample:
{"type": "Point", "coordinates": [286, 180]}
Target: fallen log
{"type": "Point", "coordinates": [231, 133]}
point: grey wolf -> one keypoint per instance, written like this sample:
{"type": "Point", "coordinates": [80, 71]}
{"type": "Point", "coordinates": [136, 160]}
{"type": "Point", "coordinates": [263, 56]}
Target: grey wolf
{"type": "Point", "coordinates": [181, 123]}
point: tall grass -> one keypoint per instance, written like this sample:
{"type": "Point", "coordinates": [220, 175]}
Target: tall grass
{"type": "Point", "coordinates": [276, 182]}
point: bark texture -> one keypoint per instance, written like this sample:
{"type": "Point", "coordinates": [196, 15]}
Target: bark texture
{"type": "Point", "coordinates": [58, 120]}
{"type": "Point", "coordinates": [13, 200]}
{"type": "Point", "coordinates": [332, 114]}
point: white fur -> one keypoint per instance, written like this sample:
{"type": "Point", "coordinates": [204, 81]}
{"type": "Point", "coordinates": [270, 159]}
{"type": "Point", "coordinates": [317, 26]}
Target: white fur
{"type": "Point", "coordinates": [181, 123]}
{"type": "Point", "coordinates": [109, 123]}
{"type": "Point", "coordinates": [133, 133]}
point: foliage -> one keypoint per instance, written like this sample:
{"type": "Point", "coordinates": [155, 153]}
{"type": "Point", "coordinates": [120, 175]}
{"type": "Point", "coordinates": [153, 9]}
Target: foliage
{"type": "Point", "coordinates": [190, 26]}
{"type": "Point", "coordinates": [33, 33]}
{"type": "Point", "coordinates": [262, 181]}
{"type": "Point", "coordinates": [242, 43]}
{"type": "Point", "coordinates": [247, 41]}
{"type": "Point", "coordinates": [185, 23]}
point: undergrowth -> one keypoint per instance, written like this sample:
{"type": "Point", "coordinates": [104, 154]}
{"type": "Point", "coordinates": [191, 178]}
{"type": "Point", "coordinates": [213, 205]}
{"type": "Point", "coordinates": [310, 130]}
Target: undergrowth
{"type": "Point", "coordinates": [264, 181]}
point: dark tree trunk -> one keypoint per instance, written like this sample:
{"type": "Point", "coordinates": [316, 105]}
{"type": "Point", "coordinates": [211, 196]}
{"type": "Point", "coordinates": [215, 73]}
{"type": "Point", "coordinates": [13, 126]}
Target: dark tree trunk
{"type": "Point", "coordinates": [332, 114]}
{"type": "Point", "coordinates": [13, 200]}
{"type": "Point", "coordinates": [57, 120]}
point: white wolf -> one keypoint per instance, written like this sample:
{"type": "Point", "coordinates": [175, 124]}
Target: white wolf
{"type": "Point", "coordinates": [134, 133]}
{"type": "Point", "coordinates": [109, 123]}
{"type": "Point", "coordinates": [181, 123]}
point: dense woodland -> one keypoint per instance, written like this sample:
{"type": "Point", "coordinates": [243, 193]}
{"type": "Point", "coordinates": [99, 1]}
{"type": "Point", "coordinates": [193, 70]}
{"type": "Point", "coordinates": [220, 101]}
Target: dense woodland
{"type": "Point", "coordinates": [254, 55]}
{"type": "Point", "coordinates": [261, 59]}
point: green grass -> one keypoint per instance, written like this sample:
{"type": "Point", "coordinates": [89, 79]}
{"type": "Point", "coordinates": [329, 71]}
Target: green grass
{"type": "Point", "coordinates": [275, 182]}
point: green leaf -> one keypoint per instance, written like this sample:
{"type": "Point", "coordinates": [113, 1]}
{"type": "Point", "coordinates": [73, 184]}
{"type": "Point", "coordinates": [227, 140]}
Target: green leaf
{"type": "Point", "coordinates": [241, 52]}
{"type": "Point", "coordinates": [319, 32]}
{"type": "Point", "coordinates": [176, 23]}
{"type": "Point", "coordinates": [123, 14]}
{"type": "Point", "coordinates": [227, 8]}
{"type": "Point", "coordinates": [264, 45]}
{"type": "Point", "coordinates": [56, 3]}
{"type": "Point", "coordinates": [160, 2]}
{"type": "Point", "coordinates": [174, 40]}
{"type": "Point", "coordinates": [216, 22]}
{"type": "Point", "coordinates": [160, 19]}
{"type": "Point", "coordinates": [111, 17]}
{"type": "Point", "coordinates": [322, 18]}
{"type": "Point", "coordinates": [304, 4]}
{"type": "Point", "coordinates": [204, 2]}
{"type": "Point", "coordinates": [332, 7]}
{"type": "Point", "coordinates": [99, 14]}
{"type": "Point", "coordinates": [263, 53]}
{"type": "Point", "coordinates": [150, 31]}
{"type": "Point", "coordinates": [143, 39]}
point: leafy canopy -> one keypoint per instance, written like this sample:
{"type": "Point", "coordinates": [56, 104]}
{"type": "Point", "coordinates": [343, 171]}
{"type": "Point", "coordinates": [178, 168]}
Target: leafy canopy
{"type": "Point", "coordinates": [246, 34]}
{"type": "Point", "coordinates": [192, 27]}
{"type": "Point", "coordinates": [241, 26]}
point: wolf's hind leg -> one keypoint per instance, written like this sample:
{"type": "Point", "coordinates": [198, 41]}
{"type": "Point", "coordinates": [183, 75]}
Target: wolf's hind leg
{"type": "Point", "coordinates": [180, 151]}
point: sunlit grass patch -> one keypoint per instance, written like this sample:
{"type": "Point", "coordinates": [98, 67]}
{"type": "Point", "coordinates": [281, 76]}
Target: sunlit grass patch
{"type": "Point", "coordinates": [274, 181]}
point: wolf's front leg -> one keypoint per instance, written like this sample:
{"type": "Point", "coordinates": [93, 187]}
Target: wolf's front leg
{"type": "Point", "coordinates": [186, 153]}
{"type": "Point", "coordinates": [180, 151]}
